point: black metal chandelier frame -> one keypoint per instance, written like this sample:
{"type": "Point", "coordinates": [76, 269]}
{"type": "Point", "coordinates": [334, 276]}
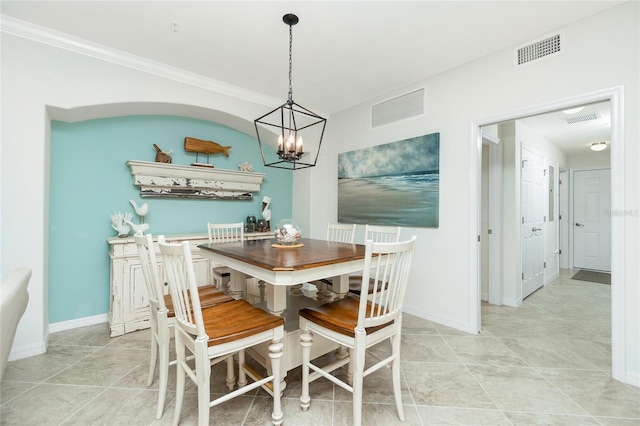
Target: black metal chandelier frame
{"type": "Point", "coordinates": [290, 119]}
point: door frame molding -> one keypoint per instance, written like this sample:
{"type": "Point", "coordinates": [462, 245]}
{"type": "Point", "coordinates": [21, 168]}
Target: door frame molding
{"type": "Point", "coordinates": [615, 96]}
{"type": "Point", "coordinates": [495, 217]}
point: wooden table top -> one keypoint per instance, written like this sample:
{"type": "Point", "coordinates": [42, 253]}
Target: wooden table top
{"type": "Point", "coordinates": [313, 254]}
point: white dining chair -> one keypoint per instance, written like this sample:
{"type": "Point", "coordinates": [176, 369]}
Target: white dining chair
{"type": "Point", "coordinates": [212, 333]}
{"type": "Point", "coordinates": [228, 233]}
{"type": "Point", "coordinates": [161, 318]}
{"type": "Point", "coordinates": [382, 234]}
{"type": "Point", "coordinates": [222, 233]}
{"type": "Point", "coordinates": [359, 323]}
{"type": "Point", "coordinates": [377, 234]}
{"type": "Point", "coordinates": [339, 233]}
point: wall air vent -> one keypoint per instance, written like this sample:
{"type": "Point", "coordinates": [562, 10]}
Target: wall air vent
{"type": "Point", "coordinates": [399, 108]}
{"type": "Point", "coordinates": [543, 48]}
{"type": "Point", "coordinates": [582, 118]}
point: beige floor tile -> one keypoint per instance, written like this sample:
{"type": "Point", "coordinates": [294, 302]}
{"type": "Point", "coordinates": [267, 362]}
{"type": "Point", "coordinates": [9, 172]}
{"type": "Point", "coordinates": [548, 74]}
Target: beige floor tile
{"type": "Point", "coordinates": [545, 352]}
{"type": "Point", "coordinates": [448, 385]}
{"type": "Point", "coordinates": [232, 412]}
{"type": "Point", "coordinates": [482, 351]}
{"type": "Point", "coordinates": [102, 368]}
{"type": "Point", "coordinates": [47, 404]}
{"type": "Point", "coordinates": [411, 324]}
{"type": "Point", "coordinates": [596, 392]}
{"type": "Point", "coordinates": [41, 367]}
{"type": "Point", "coordinates": [92, 335]}
{"type": "Point", "coordinates": [461, 416]}
{"type": "Point", "coordinates": [117, 406]}
{"type": "Point", "coordinates": [523, 389]}
{"type": "Point", "coordinates": [426, 348]}
{"type": "Point", "coordinates": [375, 415]}
{"type": "Point", "coordinates": [548, 419]}
{"type": "Point", "coordinates": [10, 390]}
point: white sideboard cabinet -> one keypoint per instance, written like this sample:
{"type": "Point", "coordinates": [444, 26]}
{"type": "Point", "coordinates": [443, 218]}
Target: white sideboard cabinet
{"type": "Point", "coordinates": [129, 303]}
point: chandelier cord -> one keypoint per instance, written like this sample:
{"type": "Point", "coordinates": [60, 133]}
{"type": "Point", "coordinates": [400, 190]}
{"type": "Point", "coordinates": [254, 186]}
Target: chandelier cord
{"type": "Point", "coordinates": [290, 63]}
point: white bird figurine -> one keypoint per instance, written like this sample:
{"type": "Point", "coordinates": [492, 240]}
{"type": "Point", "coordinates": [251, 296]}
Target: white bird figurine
{"type": "Point", "coordinates": [137, 227]}
{"type": "Point", "coordinates": [140, 211]}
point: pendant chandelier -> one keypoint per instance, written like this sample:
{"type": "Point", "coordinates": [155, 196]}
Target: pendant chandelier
{"type": "Point", "coordinates": [294, 126]}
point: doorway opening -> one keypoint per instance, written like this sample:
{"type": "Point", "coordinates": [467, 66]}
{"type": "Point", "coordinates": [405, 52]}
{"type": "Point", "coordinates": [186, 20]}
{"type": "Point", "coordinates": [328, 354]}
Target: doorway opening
{"type": "Point", "coordinates": [613, 96]}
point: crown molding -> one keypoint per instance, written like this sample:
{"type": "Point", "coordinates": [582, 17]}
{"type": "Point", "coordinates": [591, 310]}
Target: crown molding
{"type": "Point", "coordinates": [39, 34]}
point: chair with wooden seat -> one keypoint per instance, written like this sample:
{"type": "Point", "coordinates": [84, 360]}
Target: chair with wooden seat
{"type": "Point", "coordinates": [339, 233]}
{"type": "Point", "coordinates": [161, 317]}
{"type": "Point", "coordinates": [377, 234]}
{"type": "Point", "coordinates": [359, 323]}
{"type": "Point", "coordinates": [225, 233]}
{"type": "Point", "coordinates": [216, 332]}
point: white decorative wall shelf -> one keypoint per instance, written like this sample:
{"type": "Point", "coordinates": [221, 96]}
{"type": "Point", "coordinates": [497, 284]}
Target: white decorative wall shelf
{"type": "Point", "coordinates": [178, 181]}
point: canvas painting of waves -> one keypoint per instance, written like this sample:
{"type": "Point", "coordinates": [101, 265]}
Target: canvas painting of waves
{"type": "Point", "coordinates": [395, 184]}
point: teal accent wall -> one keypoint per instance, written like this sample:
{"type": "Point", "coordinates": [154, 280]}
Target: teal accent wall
{"type": "Point", "coordinates": [90, 180]}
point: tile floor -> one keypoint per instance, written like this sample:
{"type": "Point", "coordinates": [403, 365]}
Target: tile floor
{"type": "Point", "coordinates": [547, 362]}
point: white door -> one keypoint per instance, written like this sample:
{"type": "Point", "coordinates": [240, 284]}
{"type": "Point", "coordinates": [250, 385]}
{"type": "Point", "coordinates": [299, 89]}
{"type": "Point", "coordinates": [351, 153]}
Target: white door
{"type": "Point", "coordinates": [592, 219]}
{"type": "Point", "coordinates": [533, 206]}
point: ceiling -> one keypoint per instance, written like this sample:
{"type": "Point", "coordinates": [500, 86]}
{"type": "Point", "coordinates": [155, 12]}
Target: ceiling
{"type": "Point", "coordinates": [386, 44]}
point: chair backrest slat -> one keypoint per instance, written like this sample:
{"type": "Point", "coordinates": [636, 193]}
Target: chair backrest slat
{"type": "Point", "coordinates": [386, 267]}
{"type": "Point", "coordinates": [149, 266]}
{"type": "Point", "coordinates": [382, 234]}
{"type": "Point", "coordinates": [225, 232]}
{"type": "Point", "coordinates": [178, 267]}
{"type": "Point", "coordinates": [341, 232]}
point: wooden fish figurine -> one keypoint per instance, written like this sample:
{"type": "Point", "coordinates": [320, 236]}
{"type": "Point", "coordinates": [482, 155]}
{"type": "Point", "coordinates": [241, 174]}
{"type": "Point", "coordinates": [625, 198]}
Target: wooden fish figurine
{"type": "Point", "coordinates": [205, 147]}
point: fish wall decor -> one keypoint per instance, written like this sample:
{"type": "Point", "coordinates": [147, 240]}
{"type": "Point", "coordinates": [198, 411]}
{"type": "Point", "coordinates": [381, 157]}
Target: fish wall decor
{"type": "Point", "coordinates": [205, 147]}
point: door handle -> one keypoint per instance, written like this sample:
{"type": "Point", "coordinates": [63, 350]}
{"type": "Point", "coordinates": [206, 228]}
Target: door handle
{"type": "Point", "coordinates": [579, 224]}
{"type": "Point", "coordinates": [534, 229]}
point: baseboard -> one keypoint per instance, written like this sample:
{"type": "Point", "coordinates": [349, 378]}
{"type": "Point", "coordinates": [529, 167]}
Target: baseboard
{"type": "Point", "coordinates": [632, 379]}
{"type": "Point", "coordinates": [77, 323]}
{"type": "Point", "coordinates": [514, 303]}
{"type": "Point", "coordinates": [27, 351]}
{"type": "Point", "coordinates": [440, 320]}
{"type": "Point", "coordinates": [551, 278]}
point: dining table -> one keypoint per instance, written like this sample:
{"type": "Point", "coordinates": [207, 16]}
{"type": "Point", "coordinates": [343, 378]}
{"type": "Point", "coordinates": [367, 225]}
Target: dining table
{"type": "Point", "coordinates": [283, 268]}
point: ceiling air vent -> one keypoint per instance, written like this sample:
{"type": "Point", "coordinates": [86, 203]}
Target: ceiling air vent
{"type": "Point", "coordinates": [582, 118]}
{"type": "Point", "coordinates": [544, 48]}
{"type": "Point", "coordinates": [396, 109]}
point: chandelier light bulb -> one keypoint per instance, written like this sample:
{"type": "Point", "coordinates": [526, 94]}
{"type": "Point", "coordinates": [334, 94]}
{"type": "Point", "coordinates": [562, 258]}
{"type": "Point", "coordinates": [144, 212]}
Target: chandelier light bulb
{"type": "Point", "coordinates": [280, 144]}
{"type": "Point", "coordinates": [299, 145]}
{"type": "Point", "coordinates": [290, 143]}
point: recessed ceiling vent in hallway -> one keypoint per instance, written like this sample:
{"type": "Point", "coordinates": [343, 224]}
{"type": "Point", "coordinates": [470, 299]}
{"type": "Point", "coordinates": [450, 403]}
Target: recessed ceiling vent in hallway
{"type": "Point", "coordinates": [399, 108]}
{"type": "Point", "coordinates": [544, 48]}
{"type": "Point", "coordinates": [582, 118]}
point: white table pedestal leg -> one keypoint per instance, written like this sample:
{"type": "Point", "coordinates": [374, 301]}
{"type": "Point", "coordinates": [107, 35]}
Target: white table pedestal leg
{"type": "Point", "coordinates": [237, 285]}
{"type": "Point", "coordinates": [340, 286]}
{"type": "Point", "coordinates": [276, 298]}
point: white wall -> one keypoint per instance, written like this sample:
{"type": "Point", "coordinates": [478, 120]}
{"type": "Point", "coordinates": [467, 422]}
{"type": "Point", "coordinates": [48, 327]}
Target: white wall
{"type": "Point", "coordinates": [590, 160]}
{"type": "Point", "coordinates": [601, 53]}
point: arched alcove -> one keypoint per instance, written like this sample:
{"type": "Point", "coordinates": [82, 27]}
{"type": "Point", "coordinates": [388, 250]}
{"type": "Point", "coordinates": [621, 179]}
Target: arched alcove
{"type": "Point", "coordinates": [89, 179]}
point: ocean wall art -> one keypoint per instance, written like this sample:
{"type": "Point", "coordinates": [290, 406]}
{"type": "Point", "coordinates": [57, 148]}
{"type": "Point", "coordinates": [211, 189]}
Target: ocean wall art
{"type": "Point", "coordinates": [395, 184]}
